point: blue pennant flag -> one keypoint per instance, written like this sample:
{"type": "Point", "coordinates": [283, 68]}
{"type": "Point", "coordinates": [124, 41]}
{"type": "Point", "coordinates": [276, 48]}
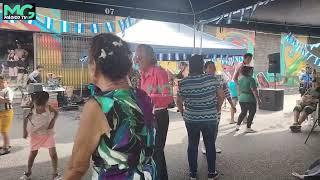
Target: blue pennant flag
{"type": "Point", "coordinates": [184, 57]}
{"type": "Point", "coordinates": [128, 22]}
{"type": "Point", "coordinates": [254, 7]}
{"type": "Point", "coordinates": [48, 22]}
{"type": "Point", "coordinates": [110, 27]}
{"type": "Point", "coordinates": [304, 52]}
{"type": "Point", "coordinates": [122, 24]}
{"type": "Point", "coordinates": [65, 26]}
{"type": "Point", "coordinates": [310, 56]}
{"type": "Point", "coordinates": [79, 28]}
{"type": "Point", "coordinates": [316, 61]}
{"type": "Point", "coordinates": [314, 46]}
{"type": "Point", "coordinates": [242, 14]}
{"type": "Point", "coordinates": [94, 28]}
{"type": "Point", "coordinates": [177, 57]}
{"type": "Point", "coordinates": [229, 18]}
{"type": "Point", "coordinates": [220, 19]}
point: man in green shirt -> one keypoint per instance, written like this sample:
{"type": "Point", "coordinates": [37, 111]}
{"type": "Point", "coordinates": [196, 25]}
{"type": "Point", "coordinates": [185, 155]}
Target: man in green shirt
{"type": "Point", "coordinates": [307, 106]}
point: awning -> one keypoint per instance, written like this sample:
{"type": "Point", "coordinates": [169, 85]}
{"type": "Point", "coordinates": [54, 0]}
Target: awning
{"type": "Point", "coordinates": [281, 16]}
{"type": "Point", "coordinates": [295, 16]}
{"type": "Point", "coordinates": [179, 11]}
{"type": "Point", "coordinates": [176, 41]}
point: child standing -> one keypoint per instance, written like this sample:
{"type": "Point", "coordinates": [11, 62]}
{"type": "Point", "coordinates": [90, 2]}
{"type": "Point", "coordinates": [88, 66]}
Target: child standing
{"type": "Point", "coordinates": [39, 125]}
{"type": "Point", "coordinates": [6, 114]}
{"type": "Point", "coordinates": [234, 96]}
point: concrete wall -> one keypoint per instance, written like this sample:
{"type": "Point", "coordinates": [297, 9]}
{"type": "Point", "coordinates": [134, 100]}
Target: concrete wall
{"type": "Point", "coordinates": [265, 44]}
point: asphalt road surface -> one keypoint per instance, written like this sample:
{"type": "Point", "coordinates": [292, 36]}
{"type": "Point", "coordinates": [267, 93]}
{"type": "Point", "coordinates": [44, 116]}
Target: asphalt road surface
{"type": "Point", "coordinates": [270, 154]}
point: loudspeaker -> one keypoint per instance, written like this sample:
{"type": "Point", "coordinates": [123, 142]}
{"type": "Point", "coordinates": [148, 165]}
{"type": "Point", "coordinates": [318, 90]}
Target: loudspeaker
{"type": "Point", "coordinates": [271, 99]}
{"type": "Point", "coordinates": [274, 63]}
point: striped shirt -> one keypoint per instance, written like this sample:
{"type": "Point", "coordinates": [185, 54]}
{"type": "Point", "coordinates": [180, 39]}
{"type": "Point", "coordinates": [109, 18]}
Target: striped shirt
{"type": "Point", "coordinates": [199, 93]}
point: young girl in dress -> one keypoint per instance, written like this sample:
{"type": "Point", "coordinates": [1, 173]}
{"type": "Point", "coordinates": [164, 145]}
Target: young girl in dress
{"type": "Point", "coordinates": [39, 125]}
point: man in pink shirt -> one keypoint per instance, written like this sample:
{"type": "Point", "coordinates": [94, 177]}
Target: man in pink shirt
{"type": "Point", "coordinates": [247, 58]}
{"type": "Point", "coordinates": [155, 82]}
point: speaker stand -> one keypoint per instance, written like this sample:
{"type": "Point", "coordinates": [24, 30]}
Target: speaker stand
{"type": "Point", "coordinates": [275, 80]}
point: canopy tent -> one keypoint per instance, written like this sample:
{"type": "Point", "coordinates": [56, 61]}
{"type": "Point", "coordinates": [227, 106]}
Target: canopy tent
{"type": "Point", "coordinates": [277, 15]}
{"type": "Point", "coordinates": [179, 11]}
{"type": "Point", "coordinates": [176, 41]}
{"type": "Point", "coordinates": [296, 16]}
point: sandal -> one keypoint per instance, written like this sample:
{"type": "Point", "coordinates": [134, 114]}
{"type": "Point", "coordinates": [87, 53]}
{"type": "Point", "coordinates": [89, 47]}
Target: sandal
{"type": "Point", "coordinates": [26, 176]}
{"type": "Point", "coordinates": [1, 147]}
{"type": "Point", "coordinates": [295, 128]}
{"type": "Point", "coordinates": [5, 151]}
{"type": "Point", "coordinates": [297, 175]}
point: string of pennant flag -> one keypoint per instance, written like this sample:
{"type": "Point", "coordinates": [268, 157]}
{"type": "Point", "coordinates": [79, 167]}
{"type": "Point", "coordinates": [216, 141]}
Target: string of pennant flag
{"type": "Point", "coordinates": [66, 26]}
{"type": "Point", "coordinates": [248, 11]}
{"type": "Point", "coordinates": [305, 49]}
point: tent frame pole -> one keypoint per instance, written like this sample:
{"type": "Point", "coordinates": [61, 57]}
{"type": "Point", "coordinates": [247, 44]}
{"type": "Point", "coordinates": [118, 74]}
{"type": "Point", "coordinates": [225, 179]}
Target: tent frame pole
{"type": "Point", "coordinates": [200, 50]}
{"type": "Point", "coordinates": [194, 34]}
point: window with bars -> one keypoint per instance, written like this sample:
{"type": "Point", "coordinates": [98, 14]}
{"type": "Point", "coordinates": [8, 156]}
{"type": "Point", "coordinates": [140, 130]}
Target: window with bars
{"type": "Point", "coordinates": [87, 19]}
{"type": "Point", "coordinates": [74, 48]}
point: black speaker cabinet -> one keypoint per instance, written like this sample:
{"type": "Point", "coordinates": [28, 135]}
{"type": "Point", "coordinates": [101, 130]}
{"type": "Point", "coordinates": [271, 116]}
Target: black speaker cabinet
{"type": "Point", "coordinates": [274, 63]}
{"type": "Point", "coordinates": [271, 99]}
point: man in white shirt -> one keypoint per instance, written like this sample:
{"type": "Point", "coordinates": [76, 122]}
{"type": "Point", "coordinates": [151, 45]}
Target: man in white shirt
{"type": "Point", "coordinates": [247, 58]}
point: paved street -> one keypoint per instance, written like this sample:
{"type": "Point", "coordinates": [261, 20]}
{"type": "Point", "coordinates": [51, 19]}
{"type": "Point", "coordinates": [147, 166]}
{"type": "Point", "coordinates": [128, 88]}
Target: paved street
{"type": "Point", "coordinates": [271, 154]}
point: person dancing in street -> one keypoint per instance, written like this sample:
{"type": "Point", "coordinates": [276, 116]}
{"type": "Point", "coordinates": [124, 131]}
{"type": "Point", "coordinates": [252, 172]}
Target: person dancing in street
{"type": "Point", "coordinates": [155, 82]}
{"type": "Point", "coordinates": [39, 126]}
{"type": "Point", "coordinates": [248, 98]}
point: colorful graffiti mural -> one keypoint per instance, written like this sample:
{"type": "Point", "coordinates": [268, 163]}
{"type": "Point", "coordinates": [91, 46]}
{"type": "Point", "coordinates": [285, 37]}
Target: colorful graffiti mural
{"type": "Point", "coordinates": [241, 38]}
{"type": "Point", "coordinates": [292, 62]}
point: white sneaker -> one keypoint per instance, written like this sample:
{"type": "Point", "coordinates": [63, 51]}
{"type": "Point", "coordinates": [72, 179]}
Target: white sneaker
{"type": "Point", "coordinates": [58, 177]}
{"type": "Point", "coordinates": [25, 177]}
{"type": "Point", "coordinates": [218, 150]}
{"type": "Point", "coordinates": [203, 149]}
{"type": "Point", "coordinates": [237, 127]}
{"type": "Point", "coordinates": [249, 130]}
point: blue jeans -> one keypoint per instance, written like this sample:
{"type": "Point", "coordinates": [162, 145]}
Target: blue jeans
{"type": "Point", "coordinates": [208, 131]}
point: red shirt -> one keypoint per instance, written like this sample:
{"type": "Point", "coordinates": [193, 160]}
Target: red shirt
{"type": "Point", "coordinates": [155, 83]}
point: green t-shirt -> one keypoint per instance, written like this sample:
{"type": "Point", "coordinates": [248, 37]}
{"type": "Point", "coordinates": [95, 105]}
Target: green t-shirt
{"type": "Point", "coordinates": [245, 85]}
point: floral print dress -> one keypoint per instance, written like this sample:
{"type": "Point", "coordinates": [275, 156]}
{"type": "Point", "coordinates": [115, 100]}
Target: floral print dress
{"type": "Point", "coordinates": [126, 152]}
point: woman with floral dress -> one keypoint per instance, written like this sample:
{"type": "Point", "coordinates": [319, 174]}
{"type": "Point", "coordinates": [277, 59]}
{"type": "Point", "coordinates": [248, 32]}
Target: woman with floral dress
{"type": "Point", "coordinates": [117, 125]}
